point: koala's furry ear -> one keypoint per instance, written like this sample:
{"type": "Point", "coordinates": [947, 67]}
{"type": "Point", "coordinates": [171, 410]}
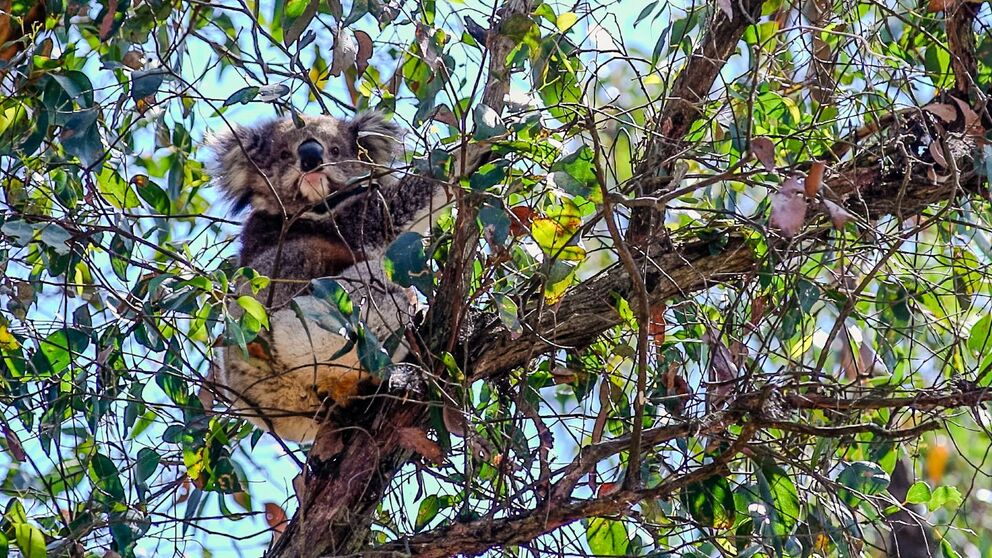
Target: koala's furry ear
{"type": "Point", "coordinates": [377, 138]}
{"type": "Point", "coordinates": [232, 150]}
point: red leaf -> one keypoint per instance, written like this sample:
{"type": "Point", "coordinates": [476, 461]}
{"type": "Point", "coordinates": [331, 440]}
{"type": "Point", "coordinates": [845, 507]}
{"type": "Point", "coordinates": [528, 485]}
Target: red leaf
{"type": "Point", "coordinates": [523, 217]}
{"type": "Point", "coordinates": [814, 179]}
{"type": "Point", "coordinates": [656, 328]}
{"type": "Point", "coordinates": [275, 517]}
{"type": "Point", "coordinates": [108, 20]}
{"type": "Point", "coordinates": [607, 488]}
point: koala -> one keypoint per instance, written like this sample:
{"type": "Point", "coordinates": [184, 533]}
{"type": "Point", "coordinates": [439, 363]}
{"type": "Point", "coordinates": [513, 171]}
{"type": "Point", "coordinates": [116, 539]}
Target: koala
{"type": "Point", "coordinates": [323, 202]}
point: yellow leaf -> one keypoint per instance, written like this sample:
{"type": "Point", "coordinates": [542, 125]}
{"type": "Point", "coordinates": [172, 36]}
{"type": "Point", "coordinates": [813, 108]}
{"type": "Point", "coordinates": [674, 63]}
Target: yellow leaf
{"type": "Point", "coordinates": [566, 21]}
{"type": "Point", "coordinates": [7, 340]}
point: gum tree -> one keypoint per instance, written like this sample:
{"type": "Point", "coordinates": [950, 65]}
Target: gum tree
{"type": "Point", "coordinates": [714, 279]}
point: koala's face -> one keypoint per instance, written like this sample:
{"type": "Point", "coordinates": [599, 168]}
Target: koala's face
{"type": "Point", "coordinates": [278, 168]}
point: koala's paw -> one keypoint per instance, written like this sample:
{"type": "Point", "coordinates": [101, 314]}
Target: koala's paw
{"type": "Point", "coordinates": [406, 378]}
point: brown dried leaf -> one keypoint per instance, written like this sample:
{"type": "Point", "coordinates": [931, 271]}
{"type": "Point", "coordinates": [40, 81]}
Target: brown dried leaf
{"type": "Point", "coordinates": [364, 51]}
{"type": "Point", "coordinates": [275, 517]}
{"type": "Point", "coordinates": [608, 488]}
{"type": "Point", "coordinates": [941, 5]}
{"type": "Point", "coordinates": [758, 309]}
{"type": "Point", "coordinates": [454, 421]}
{"type": "Point", "coordinates": [416, 440]}
{"type": "Point", "coordinates": [134, 60]}
{"type": "Point", "coordinates": [937, 152]}
{"type": "Point", "coordinates": [838, 215]}
{"type": "Point", "coordinates": [764, 150]}
{"type": "Point", "coordinates": [14, 445]}
{"type": "Point", "coordinates": [561, 375]}
{"type": "Point", "coordinates": [723, 371]}
{"type": "Point", "coordinates": [676, 386]}
{"type": "Point", "coordinates": [444, 114]}
{"type": "Point", "coordinates": [300, 487]}
{"type": "Point", "coordinates": [814, 179]}
{"type": "Point", "coordinates": [788, 208]}
{"type": "Point", "coordinates": [943, 111]}
{"type": "Point", "coordinates": [329, 443]}
{"type": "Point", "coordinates": [972, 122]}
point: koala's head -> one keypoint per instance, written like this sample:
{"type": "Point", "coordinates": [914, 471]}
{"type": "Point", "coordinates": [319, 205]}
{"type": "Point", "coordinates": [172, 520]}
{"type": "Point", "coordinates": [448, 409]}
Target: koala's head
{"type": "Point", "coordinates": [275, 166]}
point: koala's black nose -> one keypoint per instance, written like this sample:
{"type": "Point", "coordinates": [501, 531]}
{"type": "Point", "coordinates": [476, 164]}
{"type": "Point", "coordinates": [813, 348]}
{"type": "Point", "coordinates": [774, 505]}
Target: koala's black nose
{"type": "Point", "coordinates": [311, 155]}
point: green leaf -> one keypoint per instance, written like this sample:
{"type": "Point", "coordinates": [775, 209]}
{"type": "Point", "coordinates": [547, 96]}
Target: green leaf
{"type": "Point", "coordinates": [607, 537]}
{"type": "Point", "coordinates": [778, 490]}
{"type": "Point", "coordinates": [645, 12]}
{"type": "Point", "coordinates": [944, 497]}
{"type": "Point", "coordinates": [523, 30]}
{"type": "Point", "coordinates": [243, 96]}
{"type": "Point", "coordinates": [711, 502]}
{"type": "Point", "coordinates": [486, 177]}
{"type": "Point", "coordinates": [77, 85]}
{"type": "Point", "coordinates": [4, 546]}
{"type": "Point", "coordinates": [508, 314]}
{"type": "Point", "coordinates": [55, 236]}
{"type": "Point", "coordinates": [329, 291]}
{"type": "Point", "coordinates": [120, 254]}
{"type": "Point", "coordinates": [21, 232]}
{"type": "Point", "coordinates": [148, 460]}
{"type": "Point", "coordinates": [358, 9]}
{"type": "Point", "coordinates": [576, 174]}
{"type": "Point", "coordinates": [30, 541]}
{"type": "Point", "coordinates": [919, 493]}
{"type": "Point", "coordinates": [154, 196]}
{"type": "Point", "coordinates": [296, 18]}
{"type": "Point", "coordinates": [254, 308]}
{"type": "Point", "coordinates": [106, 478]}
{"type": "Point", "coordinates": [429, 509]}
{"type": "Point", "coordinates": [947, 550]}
{"type": "Point", "coordinates": [81, 138]}
{"type": "Point", "coordinates": [863, 478]}
{"type": "Point", "coordinates": [61, 346]}
{"type": "Point", "coordinates": [937, 61]}
{"type": "Point", "coordinates": [558, 238]}
{"type": "Point", "coordinates": [371, 355]}
{"type": "Point", "coordinates": [406, 263]}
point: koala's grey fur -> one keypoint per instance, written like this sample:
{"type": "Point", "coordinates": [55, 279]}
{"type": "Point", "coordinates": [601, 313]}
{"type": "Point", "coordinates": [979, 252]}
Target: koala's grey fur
{"type": "Point", "coordinates": [299, 229]}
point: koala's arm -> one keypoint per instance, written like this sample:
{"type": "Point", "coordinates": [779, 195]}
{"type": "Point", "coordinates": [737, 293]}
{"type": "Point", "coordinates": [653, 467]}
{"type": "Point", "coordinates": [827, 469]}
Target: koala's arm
{"type": "Point", "coordinates": [297, 265]}
{"type": "Point", "coordinates": [410, 203]}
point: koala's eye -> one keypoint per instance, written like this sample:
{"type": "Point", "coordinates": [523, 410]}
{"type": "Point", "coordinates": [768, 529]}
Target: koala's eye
{"type": "Point", "coordinates": [335, 151]}
{"type": "Point", "coordinates": [285, 155]}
